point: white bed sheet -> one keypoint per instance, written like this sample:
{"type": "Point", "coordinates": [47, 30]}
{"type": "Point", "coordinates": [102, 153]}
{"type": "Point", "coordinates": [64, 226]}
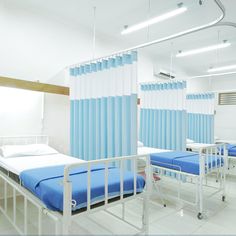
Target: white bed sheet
{"type": "Point", "coordinates": [198, 146]}
{"type": "Point", "coordinates": [19, 164]}
{"type": "Point", "coordinates": [149, 150]}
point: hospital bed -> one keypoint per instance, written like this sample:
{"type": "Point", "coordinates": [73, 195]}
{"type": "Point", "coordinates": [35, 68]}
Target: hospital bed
{"type": "Point", "coordinates": [193, 168]}
{"type": "Point", "coordinates": [231, 148]}
{"type": "Point", "coordinates": [64, 188]}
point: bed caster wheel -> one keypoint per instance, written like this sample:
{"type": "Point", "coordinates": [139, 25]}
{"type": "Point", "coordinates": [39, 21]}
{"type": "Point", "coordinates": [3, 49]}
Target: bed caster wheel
{"type": "Point", "coordinates": [164, 205]}
{"type": "Point", "coordinates": [199, 216]}
{"type": "Point", "coordinates": [223, 198]}
{"type": "Point", "coordinates": [217, 181]}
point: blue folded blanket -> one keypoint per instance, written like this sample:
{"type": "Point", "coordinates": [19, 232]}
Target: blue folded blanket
{"type": "Point", "coordinates": [166, 159]}
{"type": "Point", "coordinates": [47, 184]}
{"type": "Point", "coordinates": [182, 161]}
{"type": "Point", "coordinates": [231, 149]}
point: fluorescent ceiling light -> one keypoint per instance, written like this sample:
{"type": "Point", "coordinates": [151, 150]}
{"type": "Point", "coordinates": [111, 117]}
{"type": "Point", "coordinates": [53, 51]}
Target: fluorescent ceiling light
{"type": "Point", "coordinates": [210, 75]}
{"type": "Point", "coordinates": [205, 49]}
{"type": "Point", "coordinates": [222, 68]}
{"type": "Point", "coordinates": [154, 20]}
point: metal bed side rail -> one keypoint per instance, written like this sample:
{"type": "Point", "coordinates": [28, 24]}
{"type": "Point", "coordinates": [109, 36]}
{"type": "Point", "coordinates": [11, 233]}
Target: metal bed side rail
{"type": "Point", "coordinates": [212, 158]}
{"type": "Point", "coordinates": [67, 195]}
{"type": "Point", "coordinates": [28, 197]}
{"type": "Point", "coordinates": [24, 139]}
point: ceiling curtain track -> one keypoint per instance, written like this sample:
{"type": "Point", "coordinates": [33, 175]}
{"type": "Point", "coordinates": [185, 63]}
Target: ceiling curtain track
{"type": "Point", "coordinates": [163, 115]}
{"type": "Point", "coordinates": [103, 98]}
{"type": "Point", "coordinates": [200, 115]}
{"type": "Point", "coordinates": [216, 22]}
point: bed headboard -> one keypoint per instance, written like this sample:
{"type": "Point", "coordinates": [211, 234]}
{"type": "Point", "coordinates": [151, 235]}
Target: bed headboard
{"type": "Point", "coordinates": [20, 140]}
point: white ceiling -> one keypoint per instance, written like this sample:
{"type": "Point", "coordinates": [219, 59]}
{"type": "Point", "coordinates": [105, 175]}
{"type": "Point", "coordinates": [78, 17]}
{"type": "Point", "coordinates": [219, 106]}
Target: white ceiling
{"type": "Point", "coordinates": [112, 15]}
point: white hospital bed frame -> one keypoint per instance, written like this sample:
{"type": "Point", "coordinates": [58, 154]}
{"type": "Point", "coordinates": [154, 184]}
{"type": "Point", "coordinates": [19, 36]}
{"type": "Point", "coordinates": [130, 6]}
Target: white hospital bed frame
{"type": "Point", "coordinates": [230, 158]}
{"type": "Point", "coordinates": [62, 221]}
{"type": "Point", "coordinates": [207, 155]}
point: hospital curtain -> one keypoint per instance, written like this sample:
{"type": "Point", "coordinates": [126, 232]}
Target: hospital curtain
{"type": "Point", "coordinates": [103, 113]}
{"type": "Point", "coordinates": [163, 115]}
{"type": "Point", "coordinates": [200, 109]}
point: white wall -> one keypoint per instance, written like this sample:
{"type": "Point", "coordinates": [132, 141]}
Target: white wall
{"type": "Point", "coordinates": [57, 121]}
{"type": "Point", "coordinates": [24, 112]}
{"type": "Point", "coordinates": [225, 125]}
{"type": "Point", "coordinates": [38, 45]}
{"type": "Point", "coordinates": [145, 68]}
{"type": "Point", "coordinates": [20, 112]}
{"type": "Point", "coordinates": [198, 85]}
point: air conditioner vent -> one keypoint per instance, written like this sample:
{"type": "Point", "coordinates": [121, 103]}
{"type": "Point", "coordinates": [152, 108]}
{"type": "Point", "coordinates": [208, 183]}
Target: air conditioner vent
{"type": "Point", "coordinates": [163, 74]}
{"type": "Point", "coordinates": [227, 98]}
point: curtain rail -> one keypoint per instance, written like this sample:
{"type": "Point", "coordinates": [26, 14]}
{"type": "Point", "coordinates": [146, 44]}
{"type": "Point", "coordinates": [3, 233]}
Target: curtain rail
{"type": "Point", "coordinates": [177, 35]}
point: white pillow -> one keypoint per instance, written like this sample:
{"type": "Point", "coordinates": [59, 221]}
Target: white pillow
{"type": "Point", "coordinates": [26, 150]}
{"type": "Point", "coordinates": [189, 141]}
{"type": "Point", "coordinates": [140, 144]}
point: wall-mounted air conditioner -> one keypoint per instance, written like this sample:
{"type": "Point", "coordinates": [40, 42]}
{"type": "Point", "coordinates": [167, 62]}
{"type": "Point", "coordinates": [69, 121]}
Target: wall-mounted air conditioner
{"type": "Point", "coordinates": [164, 74]}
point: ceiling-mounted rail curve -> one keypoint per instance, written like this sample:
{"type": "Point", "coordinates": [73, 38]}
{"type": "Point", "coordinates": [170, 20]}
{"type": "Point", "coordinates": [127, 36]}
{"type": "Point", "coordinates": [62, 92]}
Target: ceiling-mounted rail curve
{"type": "Point", "coordinates": [217, 22]}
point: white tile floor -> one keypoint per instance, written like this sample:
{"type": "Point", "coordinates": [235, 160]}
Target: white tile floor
{"type": "Point", "coordinates": [220, 218]}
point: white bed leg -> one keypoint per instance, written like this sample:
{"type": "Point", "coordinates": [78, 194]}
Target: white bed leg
{"type": "Point", "coordinates": [5, 196]}
{"type": "Point", "coordinates": [223, 184]}
{"type": "Point", "coordinates": [179, 183]}
{"type": "Point", "coordinates": [123, 210]}
{"type": "Point", "coordinates": [14, 205]}
{"type": "Point", "coordinates": [67, 201]}
{"type": "Point", "coordinates": [158, 189]}
{"type": "Point", "coordinates": [197, 193]}
{"type": "Point", "coordinates": [146, 197]}
{"type": "Point", "coordinates": [25, 216]}
{"type": "Point", "coordinates": [39, 221]}
{"type": "Point", "coordinates": [217, 175]}
{"type": "Point", "coordinates": [200, 198]}
{"type": "Point", "coordinates": [145, 215]}
{"type": "Point", "coordinates": [57, 228]}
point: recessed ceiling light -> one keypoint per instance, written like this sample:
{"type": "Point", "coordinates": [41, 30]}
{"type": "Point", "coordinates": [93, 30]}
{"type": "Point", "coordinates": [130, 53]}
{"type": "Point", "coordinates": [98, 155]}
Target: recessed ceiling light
{"type": "Point", "coordinates": [155, 20]}
{"type": "Point", "coordinates": [205, 49]}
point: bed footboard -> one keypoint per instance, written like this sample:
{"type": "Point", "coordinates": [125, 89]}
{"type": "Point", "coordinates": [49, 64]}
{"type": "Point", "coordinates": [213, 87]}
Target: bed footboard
{"type": "Point", "coordinates": [121, 163]}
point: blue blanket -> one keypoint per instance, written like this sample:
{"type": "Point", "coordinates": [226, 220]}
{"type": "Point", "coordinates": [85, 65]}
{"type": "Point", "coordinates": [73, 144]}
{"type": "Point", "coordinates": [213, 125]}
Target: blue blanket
{"type": "Point", "coordinates": [47, 184]}
{"type": "Point", "coordinates": [166, 159]}
{"type": "Point", "coordinates": [182, 161]}
{"type": "Point", "coordinates": [231, 150]}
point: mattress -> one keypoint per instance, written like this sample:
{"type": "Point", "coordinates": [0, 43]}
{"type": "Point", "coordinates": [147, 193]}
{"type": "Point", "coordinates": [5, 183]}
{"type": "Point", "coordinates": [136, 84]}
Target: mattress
{"type": "Point", "coordinates": [46, 184]}
{"type": "Point", "coordinates": [18, 164]}
{"type": "Point", "coordinates": [197, 146]}
{"type": "Point", "coordinates": [187, 162]}
{"type": "Point", "coordinates": [149, 150]}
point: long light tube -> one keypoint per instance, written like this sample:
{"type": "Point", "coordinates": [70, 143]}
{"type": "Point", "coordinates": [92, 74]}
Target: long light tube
{"type": "Point", "coordinates": [154, 20]}
{"type": "Point", "coordinates": [205, 49]}
{"type": "Point", "coordinates": [217, 69]}
{"type": "Point", "coordinates": [210, 75]}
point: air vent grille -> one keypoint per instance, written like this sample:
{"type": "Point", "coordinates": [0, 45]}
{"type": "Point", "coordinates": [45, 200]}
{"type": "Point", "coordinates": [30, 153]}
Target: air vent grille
{"type": "Point", "coordinates": [227, 98]}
